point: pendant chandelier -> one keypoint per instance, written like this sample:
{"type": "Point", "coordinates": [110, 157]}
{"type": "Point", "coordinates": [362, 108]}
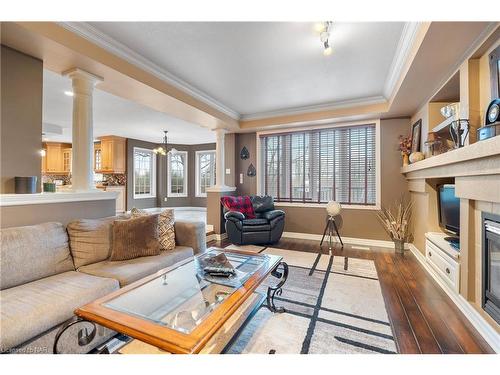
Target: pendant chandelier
{"type": "Point", "coordinates": [163, 149]}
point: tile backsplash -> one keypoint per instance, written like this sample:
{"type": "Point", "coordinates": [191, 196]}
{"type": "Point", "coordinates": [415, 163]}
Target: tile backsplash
{"type": "Point", "coordinates": [113, 179]}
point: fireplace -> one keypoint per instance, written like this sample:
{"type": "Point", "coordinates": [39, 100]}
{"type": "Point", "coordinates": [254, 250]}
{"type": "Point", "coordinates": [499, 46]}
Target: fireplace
{"type": "Point", "coordinates": [491, 265]}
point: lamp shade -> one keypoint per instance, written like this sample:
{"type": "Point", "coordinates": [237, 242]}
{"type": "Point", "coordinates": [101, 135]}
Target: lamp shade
{"type": "Point", "coordinates": [333, 208]}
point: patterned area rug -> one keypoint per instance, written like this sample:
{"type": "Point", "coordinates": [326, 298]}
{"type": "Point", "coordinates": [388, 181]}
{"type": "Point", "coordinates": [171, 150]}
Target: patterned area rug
{"type": "Point", "coordinates": [333, 304]}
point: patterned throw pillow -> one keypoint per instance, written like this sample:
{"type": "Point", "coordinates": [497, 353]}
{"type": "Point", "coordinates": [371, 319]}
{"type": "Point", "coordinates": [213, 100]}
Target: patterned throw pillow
{"type": "Point", "coordinates": [166, 232]}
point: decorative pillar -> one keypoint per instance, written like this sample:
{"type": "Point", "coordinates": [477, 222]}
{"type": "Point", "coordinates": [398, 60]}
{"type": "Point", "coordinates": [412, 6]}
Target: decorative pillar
{"type": "Point", "coordinates": [82, 131]}
{"type": "Point", "coordinates": [219, 158]}
{"type": "Point", "coordinates": [215, 193]}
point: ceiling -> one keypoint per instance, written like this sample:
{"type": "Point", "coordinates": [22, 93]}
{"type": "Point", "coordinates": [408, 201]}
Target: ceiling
{"type": "Point", "coordinates": [261, 68]}
{"type": "Point", "coordinates": [114, 116]}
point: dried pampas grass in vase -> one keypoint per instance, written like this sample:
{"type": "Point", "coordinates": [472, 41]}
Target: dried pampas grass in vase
{"type": "Point", "coordinates": [397, 221]}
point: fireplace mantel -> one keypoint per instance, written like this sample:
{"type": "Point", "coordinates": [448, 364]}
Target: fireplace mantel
{"type": "Point", "coordinates": [480, 158]}
{"type": "Point", "coordinates": [475, 171]}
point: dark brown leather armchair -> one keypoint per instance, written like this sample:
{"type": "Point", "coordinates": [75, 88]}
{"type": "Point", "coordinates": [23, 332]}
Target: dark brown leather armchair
{"type": "Point", "coordinates": [266, 228]}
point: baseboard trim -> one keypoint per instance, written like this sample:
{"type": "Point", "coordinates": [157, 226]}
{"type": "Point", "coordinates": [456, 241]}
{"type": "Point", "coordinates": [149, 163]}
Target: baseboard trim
{"type": "Point", "coordinates": [189, 208]}
{"type": "Point", "coordinates": [221, 236]}
{"type": "Point", "coordinates": [346, 240]}
{"type": "Point", "coordinates": [479, 323]}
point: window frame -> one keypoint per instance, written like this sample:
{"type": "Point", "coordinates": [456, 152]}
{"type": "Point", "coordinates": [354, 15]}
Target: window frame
{"type": "Point", "coordinates": [197, 161]}
{"type": "Point", "coordinates": [169, 180]}
{"type": "Point", "coordinates": [153, 174]}
{"type": "Point", "coordinates": [375, 122]}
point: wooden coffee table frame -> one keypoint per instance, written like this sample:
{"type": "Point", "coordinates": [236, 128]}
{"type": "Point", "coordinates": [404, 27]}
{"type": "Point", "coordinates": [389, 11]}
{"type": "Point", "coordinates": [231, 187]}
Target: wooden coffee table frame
{"type": "Point", "coordinates": [169, 339]}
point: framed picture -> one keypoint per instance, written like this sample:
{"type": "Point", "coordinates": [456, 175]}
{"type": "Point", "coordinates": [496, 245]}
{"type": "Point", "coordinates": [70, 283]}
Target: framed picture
{"type": "Point", "coordinates": [416, 131]}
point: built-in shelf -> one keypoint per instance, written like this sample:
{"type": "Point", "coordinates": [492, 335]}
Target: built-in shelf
{"type": "Point", "coordinates": [482, 149]}
{"type": "Point", "coordinates": [445, 124]}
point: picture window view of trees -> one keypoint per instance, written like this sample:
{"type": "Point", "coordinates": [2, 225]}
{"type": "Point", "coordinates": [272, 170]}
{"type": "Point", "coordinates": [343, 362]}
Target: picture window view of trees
{"type": "Point", "coordinates": [321, 165]}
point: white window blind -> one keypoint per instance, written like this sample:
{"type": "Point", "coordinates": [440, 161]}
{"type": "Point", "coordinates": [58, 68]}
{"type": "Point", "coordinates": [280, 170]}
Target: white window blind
{"type": "Point", "coordinates": [317, 166]}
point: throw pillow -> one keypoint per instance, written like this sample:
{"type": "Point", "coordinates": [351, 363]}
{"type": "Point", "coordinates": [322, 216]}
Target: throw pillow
{"type": "Point", "coordinates": [134, 238]}
{"type": "Point", "coordinates": [166, 231]}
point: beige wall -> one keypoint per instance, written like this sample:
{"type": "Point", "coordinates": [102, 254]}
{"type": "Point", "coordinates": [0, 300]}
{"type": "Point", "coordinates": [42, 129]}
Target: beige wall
{"type": "Point", "coordinates": [13, 216]}
{"type": "Point", "coordinates": [355, 222]}
{"type": "Point", "coordinates": [21, 117]}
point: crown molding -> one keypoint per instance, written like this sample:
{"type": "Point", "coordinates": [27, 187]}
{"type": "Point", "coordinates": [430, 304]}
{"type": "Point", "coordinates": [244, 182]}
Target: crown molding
{"type": "Point", "coordinates": [316, 108]}
{"type": "Point", "coordinates": [95, 36]}
{"type": "Point", "coordinates": [410, 30]}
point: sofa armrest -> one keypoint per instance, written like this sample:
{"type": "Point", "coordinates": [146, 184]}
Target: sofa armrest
{"type": "Point", "coordinates": [273, 214]}
{"type": "Point", "coordinates": [234, 215]}
{"type": "Point", "coordinates": [191, 234]}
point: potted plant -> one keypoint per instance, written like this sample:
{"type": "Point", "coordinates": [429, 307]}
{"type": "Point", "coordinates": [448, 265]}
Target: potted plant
{"type": "Point", "coordinates": [405, 148]}
{"type": "Point", "coordinates": [396, 222]}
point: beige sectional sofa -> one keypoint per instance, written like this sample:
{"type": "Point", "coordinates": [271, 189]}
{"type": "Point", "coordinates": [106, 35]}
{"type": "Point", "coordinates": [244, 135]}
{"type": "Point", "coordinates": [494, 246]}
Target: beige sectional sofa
{"type": "Point", "coordinates": [47, 271]}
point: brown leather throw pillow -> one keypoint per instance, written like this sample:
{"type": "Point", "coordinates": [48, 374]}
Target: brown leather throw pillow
{"type": "Point", "coordinates": [134, 238]}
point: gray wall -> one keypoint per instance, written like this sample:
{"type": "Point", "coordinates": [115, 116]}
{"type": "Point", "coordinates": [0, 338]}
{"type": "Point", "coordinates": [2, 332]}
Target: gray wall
{"type": "Point", "coordinates": [249, 185]}
{"type": "Point", "coordinates": [355, 223]}
{"type": "Point", "coordinates": [14, 216]}
{"type": "Point", "coordinates": [161, 177]}
{"type": "Point", "coordinates": [21, 117]}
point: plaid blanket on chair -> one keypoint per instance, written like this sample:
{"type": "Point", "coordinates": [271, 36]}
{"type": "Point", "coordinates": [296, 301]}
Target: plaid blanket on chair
{"type": "Point", "coordinates": [240, 204]}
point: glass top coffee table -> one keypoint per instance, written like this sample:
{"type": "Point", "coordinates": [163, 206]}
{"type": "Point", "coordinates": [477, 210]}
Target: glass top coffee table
{"type": "Point", "coordinates": [178, 309]}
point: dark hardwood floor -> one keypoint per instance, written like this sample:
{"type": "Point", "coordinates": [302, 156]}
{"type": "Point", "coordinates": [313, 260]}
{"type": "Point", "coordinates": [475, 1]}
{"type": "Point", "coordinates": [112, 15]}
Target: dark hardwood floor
{"type": "Point", "coordinates": [423, 318]}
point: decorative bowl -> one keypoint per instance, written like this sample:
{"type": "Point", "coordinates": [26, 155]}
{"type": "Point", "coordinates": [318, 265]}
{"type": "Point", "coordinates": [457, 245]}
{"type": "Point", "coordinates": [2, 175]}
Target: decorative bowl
{"type": "Point", "coordinates": [448, 110]}
{"type": "Point", "coordinates": [416, 156]}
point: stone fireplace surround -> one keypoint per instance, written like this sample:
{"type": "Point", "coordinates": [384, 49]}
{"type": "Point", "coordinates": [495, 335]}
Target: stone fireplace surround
{"type": "Point", "coordinates": [475, 170]}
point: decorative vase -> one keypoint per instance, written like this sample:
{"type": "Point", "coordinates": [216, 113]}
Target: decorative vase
{"type": "Point", "coordinates": [416, 156]}
{"type": "Point", "coordinates": [406, 161]}
{"type": "Point", "coordinates": [399, 246]}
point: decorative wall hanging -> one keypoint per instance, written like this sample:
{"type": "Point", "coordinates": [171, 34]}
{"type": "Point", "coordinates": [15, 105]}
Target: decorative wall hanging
{"type": "Point", "coordinates": [251, 172]}
{"type": "Point", "coordinates": [416, 131]}
{"type": "Point", "coordinates": [244, 154]}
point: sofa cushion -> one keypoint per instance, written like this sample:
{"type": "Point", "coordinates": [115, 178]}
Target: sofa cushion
{"type": "Point", "coordinates": [91, 239]}
{"type": "Point", "coordinates": [134, 238]}
{"type": "Point", "coordinates": [33, 252]}
{"type": "Point", "coordinates": [166, 231]}
{"type": "Point", "coordinates": [191, 234]}
{"type": "Point", "coordinates": [128, 271]}
{"type": "Point", "coordinates": [33, 308]}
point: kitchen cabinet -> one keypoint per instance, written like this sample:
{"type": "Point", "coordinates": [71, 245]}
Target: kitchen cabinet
{"type": "Point", "coordinates": [66, 160]}
{"type": "Point", "coordinates": [112, 154]}
{"type": "Point", "coordinates": [121, 200]}
{"type": "Point", "coordinates": [57, 159]}
{"type": "Point", "coordinates": [97, 157]}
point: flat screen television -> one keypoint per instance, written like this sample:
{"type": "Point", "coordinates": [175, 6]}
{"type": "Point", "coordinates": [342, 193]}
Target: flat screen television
{"type": "Point", "coordinates": [449, 212]}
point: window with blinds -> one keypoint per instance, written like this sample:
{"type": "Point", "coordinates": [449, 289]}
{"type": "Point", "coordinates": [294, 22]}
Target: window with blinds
{"type": "Point", "coordinates": [317, 166]}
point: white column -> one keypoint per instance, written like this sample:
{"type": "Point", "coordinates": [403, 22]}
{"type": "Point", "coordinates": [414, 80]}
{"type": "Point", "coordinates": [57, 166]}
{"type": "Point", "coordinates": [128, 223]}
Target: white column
{"type": "Point", "coordinates": [219, 158]}
{"type": "Point", "coordinates": [83, 137]}
{"type": "Point", "coordinates": [220, 167]}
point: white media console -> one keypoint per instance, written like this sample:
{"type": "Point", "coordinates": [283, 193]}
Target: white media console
{"type": "Point", "coordinates": [443, 258]}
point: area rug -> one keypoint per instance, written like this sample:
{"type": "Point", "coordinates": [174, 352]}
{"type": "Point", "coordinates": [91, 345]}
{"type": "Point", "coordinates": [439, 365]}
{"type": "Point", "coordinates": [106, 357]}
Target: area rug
{"type": "Point", "coordinates": [333, 304]}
